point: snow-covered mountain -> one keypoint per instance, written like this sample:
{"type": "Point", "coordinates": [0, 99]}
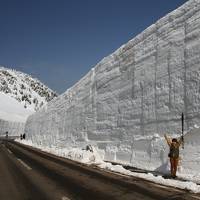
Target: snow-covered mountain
{"type": "Point", "coordinates": [30, 92]}
{"type": "Point", "coordinates": [20, 96]}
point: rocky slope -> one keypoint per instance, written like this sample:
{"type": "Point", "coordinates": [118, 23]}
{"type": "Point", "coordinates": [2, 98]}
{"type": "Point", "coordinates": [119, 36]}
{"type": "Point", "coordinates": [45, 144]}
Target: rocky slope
{"type": "Point", "coordinates": [25, 89]}
{"type": "Point", "coordinates": [20, 96]}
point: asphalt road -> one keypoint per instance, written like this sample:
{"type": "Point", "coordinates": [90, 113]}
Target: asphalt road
{"type": "Point", "coordinates": [27, 173]}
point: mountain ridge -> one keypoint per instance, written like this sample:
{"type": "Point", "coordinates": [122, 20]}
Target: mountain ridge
{"type": "Point", "coordinates": [29, 91]}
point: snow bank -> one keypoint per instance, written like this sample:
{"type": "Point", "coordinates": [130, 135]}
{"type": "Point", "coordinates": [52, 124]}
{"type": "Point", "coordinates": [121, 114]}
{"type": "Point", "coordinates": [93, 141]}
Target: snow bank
{"type": "Point", "coordinates": [12, 110]}
{"type": "Point", "coordinates": [92, 157]}
{"type": "Point", "coordinates": [81, 155]}
{"type": "Point", "coordinates": [126, 103]}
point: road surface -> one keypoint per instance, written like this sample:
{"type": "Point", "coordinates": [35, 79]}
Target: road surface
{"type": "Point", "coordinates": [27, 173]}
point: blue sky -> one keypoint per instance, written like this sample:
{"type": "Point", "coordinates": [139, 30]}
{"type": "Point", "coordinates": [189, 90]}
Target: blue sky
{"type": "Point", "coordinates": [59, 41]}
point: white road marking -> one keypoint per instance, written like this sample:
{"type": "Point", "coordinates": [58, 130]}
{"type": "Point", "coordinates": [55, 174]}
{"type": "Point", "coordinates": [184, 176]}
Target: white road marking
{"type": "Point", "coordinates": [167, 187]}
{"type": "Point", "coordinates": [162, 186]}
{"type": "Point", "coordinates": [196, 197]}
{"type": "Point", "coordinates": [9, 151]}
{"type": "Point", "coordinates": [65, 198]}
{"type": "Point", "coordinates": [24, 164]}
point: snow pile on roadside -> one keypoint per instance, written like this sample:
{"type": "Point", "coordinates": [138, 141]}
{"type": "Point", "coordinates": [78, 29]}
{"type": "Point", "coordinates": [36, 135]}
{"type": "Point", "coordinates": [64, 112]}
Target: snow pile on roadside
{"type": "Point", "coordinates": [186, 185]}
{"type": "Point", "coordinates": [89, 155]}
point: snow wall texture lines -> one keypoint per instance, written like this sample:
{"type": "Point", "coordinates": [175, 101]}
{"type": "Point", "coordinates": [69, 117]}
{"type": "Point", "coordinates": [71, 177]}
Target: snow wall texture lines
{"type": "Point", "coordinates": [131, 98]}
{"type": "Point", "coordinates": [13, 128]}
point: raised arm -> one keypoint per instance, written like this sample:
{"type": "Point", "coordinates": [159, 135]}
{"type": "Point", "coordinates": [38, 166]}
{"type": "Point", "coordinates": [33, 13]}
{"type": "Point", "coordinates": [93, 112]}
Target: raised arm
{"type": "Point", "coordinates": [180, 140]}
{"type": "Point", "coordinates": [168, 140]}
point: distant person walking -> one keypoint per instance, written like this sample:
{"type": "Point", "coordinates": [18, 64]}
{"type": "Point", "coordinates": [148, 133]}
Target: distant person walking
{"type": "Point", "coordinates": [174, 145]}
{"type": "Point", "coordinates": [6, 134]}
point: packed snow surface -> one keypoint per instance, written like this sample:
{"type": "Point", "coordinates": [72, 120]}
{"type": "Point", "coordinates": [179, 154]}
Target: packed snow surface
{"type": "Point", "coordinates": [129, 100]}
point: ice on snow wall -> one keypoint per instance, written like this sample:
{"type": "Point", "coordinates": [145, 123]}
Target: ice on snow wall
{"type": "Point", "coordinates": [138, 91]}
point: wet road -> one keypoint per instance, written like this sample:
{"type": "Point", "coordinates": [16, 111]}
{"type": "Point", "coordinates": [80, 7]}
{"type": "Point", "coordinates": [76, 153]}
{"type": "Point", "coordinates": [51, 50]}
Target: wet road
{"type": "Point", "coordinates": [27, 173]}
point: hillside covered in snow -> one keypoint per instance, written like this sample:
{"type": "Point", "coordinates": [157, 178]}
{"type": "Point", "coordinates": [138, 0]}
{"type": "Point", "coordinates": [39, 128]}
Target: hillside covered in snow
{"type": "Point", "coordinates": [129, 100]}
{"type": "Point", "coordinates": [20, 96]}
{"type": "Point", "coordinates": [13, 110]}
{"type": "Point", "coordinates": [30, 92]}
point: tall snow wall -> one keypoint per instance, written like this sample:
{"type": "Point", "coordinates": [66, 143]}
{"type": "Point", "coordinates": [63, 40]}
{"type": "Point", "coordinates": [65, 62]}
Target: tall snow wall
{"type": "Point", "coordinates": [131, 98]}
{"type": "Point", "coordinates": [13, 128]}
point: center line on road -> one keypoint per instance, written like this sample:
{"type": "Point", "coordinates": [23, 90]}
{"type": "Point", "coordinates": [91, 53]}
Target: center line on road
{"type": "Point", "coordinates": [65, 198]}
{"type": "Point", "coordinates": [9, 151]}
{"type": "Point", "coordinates": [24, 164]}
